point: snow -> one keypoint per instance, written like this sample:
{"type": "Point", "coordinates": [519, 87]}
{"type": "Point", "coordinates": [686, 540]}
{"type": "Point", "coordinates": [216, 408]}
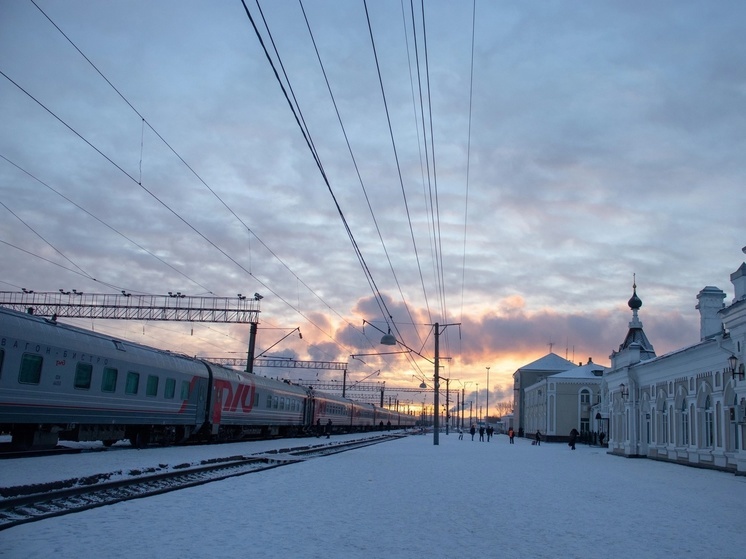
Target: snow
{"type": "Point", "coordinates": [404, 498]}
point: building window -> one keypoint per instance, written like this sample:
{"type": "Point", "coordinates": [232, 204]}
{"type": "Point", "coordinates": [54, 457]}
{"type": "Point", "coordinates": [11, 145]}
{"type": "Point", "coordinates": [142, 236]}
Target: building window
{"type": "Point", "coordinates": [684, 424]}
{"type": "Point", "coordinates": [709, 424]}
{"type": "Point", "coordinates": [30, 372]}
{"type": "Point", "coordinates": [664, 425]}
{"type": "Point", "coordinates": [83, 373]}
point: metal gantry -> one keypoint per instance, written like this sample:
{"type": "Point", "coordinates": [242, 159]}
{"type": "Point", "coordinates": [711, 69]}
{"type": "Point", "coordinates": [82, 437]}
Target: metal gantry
{"type": "Point", "coordinates": [278, 363]}
{"type": "Point", "coordinates": [127, 306]}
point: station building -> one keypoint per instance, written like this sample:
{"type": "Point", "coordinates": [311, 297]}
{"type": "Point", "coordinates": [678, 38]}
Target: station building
{"type": "Point", "coordinates": [527, 376]}
{"type": "Point", "coordinates": [561, 402]}
{"type": "Point", "coordinates": [687, 406]}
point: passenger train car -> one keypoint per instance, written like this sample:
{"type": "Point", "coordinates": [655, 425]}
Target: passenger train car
{"type": "Point", "coordinates": [62, 382]}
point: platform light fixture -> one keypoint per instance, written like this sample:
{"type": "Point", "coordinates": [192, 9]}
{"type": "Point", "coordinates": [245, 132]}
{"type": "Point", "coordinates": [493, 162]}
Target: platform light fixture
{"type": "Point", "coordinates": [388, 339]}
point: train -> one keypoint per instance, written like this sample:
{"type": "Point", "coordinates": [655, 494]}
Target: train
{"type": "Point", "coordinates": [61, 382]}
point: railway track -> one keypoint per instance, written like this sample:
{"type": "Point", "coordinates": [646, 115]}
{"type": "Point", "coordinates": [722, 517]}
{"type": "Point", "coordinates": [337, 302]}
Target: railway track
{"type": "Point", "coordinates": [47, 504]}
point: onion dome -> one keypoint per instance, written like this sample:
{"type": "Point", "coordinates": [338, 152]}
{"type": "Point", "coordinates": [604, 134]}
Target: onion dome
{"type": "Point", "coordinates": [634, 302]}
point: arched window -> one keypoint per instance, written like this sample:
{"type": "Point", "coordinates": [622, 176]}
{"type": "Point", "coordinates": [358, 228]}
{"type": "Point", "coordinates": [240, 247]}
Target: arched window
{"type": "Point", "coordinates": [684, 423]}
{"type": "Point", "coordinates": [709, 424]}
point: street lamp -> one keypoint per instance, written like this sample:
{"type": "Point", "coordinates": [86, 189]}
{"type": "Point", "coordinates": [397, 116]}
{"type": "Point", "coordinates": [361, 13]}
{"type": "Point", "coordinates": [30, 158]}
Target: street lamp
{"type": "Point", "coordinates": [476, 405]}
{"type": "Point", "coordinates": [487, 414]}
{"type": "Point", "coordinates": [389, 339]}
{"type": "Point", "coordinates": [733, 364]}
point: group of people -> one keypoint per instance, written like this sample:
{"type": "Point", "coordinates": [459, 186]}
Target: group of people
{"type": "Point", "coordinates": [327, 430]}
{"type": "Point", "coordinates": [489, 431]}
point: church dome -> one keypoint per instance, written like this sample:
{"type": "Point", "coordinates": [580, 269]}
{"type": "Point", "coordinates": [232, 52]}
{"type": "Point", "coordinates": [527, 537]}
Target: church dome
{"type": "Point", "coordinates": [634, 302]}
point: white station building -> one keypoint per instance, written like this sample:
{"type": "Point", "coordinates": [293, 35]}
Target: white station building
{"type": "Point", "coordinates": [687, 406]}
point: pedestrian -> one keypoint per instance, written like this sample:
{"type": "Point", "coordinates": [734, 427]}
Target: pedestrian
{"type": "Point", "coordinates": [490, 430]}
{"type": "Point", "coordinates": [460, 434]}
{"type": "Point", "coordinates": [472, 430]}
{"type": "Point", "coordinates": [537, 438]}
{"type": "Point", "coordinates": [329, 429]}
{"type": "Point", "coordinates": [481, 434]}
{"type": "Point", "coordinates": [318, 428]}
{"type": "Point", "coordinates": [601, 437]}
{"type": "Point", "coordinates": [511, 434]}
{"type": "Point", "coordinates": [573, 437]}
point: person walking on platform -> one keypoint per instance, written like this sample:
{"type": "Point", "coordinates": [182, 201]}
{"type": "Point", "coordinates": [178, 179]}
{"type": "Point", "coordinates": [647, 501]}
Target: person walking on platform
{"type": "Point", "coordinates": [472, 430]}
{"type": "Point", "coordinates": [481, 434]}
{"type": "Point", "coordinates": [573, 437]}
{"type": "Point", "coordinates": [537, 438]}
{"type": "Point", "coordinates": [460, 434]}
{"type": "Point", "coordinates": [329, 429]}
{"type": "Point", "coordinates": [511, 434]}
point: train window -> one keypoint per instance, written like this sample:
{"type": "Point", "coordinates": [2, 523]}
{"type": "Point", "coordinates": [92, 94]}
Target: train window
{"type": "Point", "coordinates": [2, 358]}
{"type": "Point", "coordinates": [109, 380]}
{"type": "Point", "coordinates": [275, 402]}
{"type": "Point", "coordinates": [133, 383]}
{"type": "Point", "coordinates": [30, 372]}
{"type": "Point", "coordinates": [151, 389]}
{"type": "Point", "coordinates": [184, 389]}
{"type": "Point", "coordinates": [83, 373]}
{"type": "Point", "coordinates": [282, 403]}
{"type": "Point", "coordinates": [170, 389]}
{"type": "Point", "coordinates": [269, 401]}
{"type": "Point", "coordinates": [256, 397]}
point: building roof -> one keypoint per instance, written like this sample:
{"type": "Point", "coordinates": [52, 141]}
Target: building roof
{"type": "Point", "coordinates": [550, 362]}
{"type": "Point", "coordinates": [583, 371]}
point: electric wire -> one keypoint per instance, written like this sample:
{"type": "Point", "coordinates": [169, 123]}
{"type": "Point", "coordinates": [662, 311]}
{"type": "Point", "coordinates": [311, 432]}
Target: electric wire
{"type": "Point", "coordinates": [354, 162]}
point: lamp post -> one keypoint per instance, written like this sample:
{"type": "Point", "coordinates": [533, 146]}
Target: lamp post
{"type": "Point", "coordinates": [476, 405]}
{"type": "Point", "coordinates": [389, 339]}
{"type": "Point", "coordinates": [487, 413]}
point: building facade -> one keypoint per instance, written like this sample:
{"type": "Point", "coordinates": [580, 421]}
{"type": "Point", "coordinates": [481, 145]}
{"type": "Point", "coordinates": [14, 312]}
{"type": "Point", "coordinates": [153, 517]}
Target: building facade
{"type": "Point", "coordinates": [687, 406]}
{"type": "Point", "coordinates": [564, 401]}
{"type": "Point", "coordinates": [529, 375]}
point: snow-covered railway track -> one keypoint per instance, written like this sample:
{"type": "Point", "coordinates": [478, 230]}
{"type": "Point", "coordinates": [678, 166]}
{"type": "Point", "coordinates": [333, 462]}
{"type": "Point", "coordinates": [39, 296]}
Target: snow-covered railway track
{"type": "Point", "coordinates": [40, 505]}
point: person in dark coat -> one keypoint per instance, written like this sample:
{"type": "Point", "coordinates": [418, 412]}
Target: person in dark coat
{"type": "Point", "coordinates": [318, 428]}
{"type": "Point", "coordinates": [481, 434]}
{"type": "Point", "coordinates": [328, 428]}
{"type": "Point", "coordinates": [472, 430]}
{"type": "Point", "coordinates": [573, 437]}
{"type": "Point", "coordinates": [537, 438]}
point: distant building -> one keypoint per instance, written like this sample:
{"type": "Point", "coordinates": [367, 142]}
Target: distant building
{"type": "Point", "coordinates": [687, 406]}
{"type": "Point", "coordinates": [563, 401]}
{"type": "Point", "coordinates": [529, 375]}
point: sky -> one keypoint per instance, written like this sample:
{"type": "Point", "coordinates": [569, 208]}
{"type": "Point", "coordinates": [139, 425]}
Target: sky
{"type": "Point", "coordinates": [568, 150]}
{"type": "Point", "coordinates": [404, 498]}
